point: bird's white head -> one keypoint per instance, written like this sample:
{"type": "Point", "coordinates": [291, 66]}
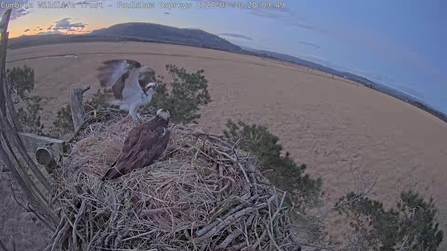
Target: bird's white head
{"type": "Point", "coordinates": [152, 85]}
{"type": "Point", "coordinates": [150, 88]}
{"type": "Point", "coordinates": [164, 114]}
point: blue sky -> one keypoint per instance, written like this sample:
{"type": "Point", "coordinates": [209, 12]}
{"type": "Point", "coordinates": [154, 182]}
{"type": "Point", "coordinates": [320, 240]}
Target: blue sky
{"type": "Point", "coordinates": [400, 43]}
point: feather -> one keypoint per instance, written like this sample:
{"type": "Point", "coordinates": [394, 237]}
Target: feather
{"type": "Point", "coordinates": [147, 75]}
{"type": "Point", "coordinates": [143, 145]}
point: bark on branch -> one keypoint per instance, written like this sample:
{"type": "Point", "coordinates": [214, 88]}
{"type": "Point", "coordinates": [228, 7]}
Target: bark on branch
{"type": "Point", "coordinates": [77, 106]}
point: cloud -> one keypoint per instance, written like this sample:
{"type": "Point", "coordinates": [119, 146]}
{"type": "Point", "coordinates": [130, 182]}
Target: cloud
{"type": "Point", "coordinates": [385, 48]}
{"type": "Point", "coordinates": [272, 9]}
{"type": "Point", "coordinates": [299, 24]}
{"type": "Point", "coordinates": [26, 30]}
{"type": "Point", "coordinates": [277, 12]}
{"type": "Point", "coordinates": [49, 32]}
{"type": "Point", "coordinates": [285, 16]}
{"type": "Point", "coordinates": [50, 28]}
{"type": "Point", "coordinates": [378, 44]}
{"type": "Point", "coordinates": [256, 10]}
{"type": "Point", "coordinates": [167, 13]}
{"type": "Point", "coordinates": [264, 14]}
{"type": "Point", "coordinates": [314, 57]}
{"type": "Point", "coordinates": [407, 89]}
{"type": "Point", "coordinates": [363, 39]}
{"type": "Point", "coordinates": [65, 25]}
{"type": "Point", "coordinates": [234, 35]}
{"type": "Point", "coordinates": [18, 8]}
{"type": "Point", "coordinates": [372, 75]}
{"type": "Point", "coordinates": [309, 44]}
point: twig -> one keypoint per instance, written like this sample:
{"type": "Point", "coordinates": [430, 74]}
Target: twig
{"type": "Point", "coordinates": [279, 207]}
{"type": "Point", "coordinates": [149, 212]}
{"type": "Point", "coordinates": [234, 160]}
{"type": "Point", "coordinates": [140, 235]}
{"type": "Point", "coordinates": [272, 238]}
{"type": "Point", "coordinates": [13, 243]}
{"type": "Point", "coordinates": [2, 245]}
{"type": "Point", "coordinates": [59, 236]}
{"type": "Point", "coordinates": [89, 247]}
{"type": "Point", "coordinates": [179, 202]}
{"type": "Point", "coordinates": [224, 244]}
{"type": "Point", "coordinates": [85, 89]}
{"type": "Point", "coordinates": [198, 134]}
{"type": "Point", "coordinates": [322, 248]}
{"type": "Point", "coordinates": [222, 189]}
{"type": "Point", "coordinates": [404, 243]}
{"type": "Point", "coordinates": [75, 224]}
{"type": "Point", "coordinates": [78, 130]}
{"type": "Point", "coordinates": [259, 240]}
{"type": "Point", "coordinates": [228, 221]}
{"type": "Point", "coordinates": [239, 246]}
{"type": "Point", "coordinates": [58, 196]}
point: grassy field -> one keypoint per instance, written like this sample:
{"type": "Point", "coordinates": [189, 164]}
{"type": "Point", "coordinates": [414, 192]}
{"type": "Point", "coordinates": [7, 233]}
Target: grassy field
{"type": "Point", "coordinates": [346, 133]}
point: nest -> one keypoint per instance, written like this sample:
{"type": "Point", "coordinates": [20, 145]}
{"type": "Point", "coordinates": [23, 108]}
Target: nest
{"type": "Point", "coordinates": [203, 194]}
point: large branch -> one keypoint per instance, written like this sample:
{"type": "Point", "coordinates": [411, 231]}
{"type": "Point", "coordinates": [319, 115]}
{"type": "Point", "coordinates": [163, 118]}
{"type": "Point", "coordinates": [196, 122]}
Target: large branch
{"type": "Point", "coordinates": [77, 106]}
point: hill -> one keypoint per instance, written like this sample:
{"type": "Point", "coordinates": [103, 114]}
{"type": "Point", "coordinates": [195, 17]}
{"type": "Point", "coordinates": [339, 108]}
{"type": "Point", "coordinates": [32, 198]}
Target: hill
{"type": "Point", "coordinates": [137, 32]}
{"type": "Point", "coordinates": [167, 34]}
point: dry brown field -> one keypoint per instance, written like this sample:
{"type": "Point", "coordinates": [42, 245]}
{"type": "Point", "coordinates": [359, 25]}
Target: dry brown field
{"type": "Point", "coordinates": [346, 133]}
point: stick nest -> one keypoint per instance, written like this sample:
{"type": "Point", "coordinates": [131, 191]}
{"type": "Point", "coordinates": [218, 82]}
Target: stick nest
{"type": "Point", "coordinates": [202, 194]}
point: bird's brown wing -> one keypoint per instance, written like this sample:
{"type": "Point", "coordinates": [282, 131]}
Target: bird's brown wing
{"type": "Point", "coordinates": [150, 146]}
{"type": "Point", "coordinates": [129, 143]}
{"type": "Point", "coordinates": [140, 151]}
{"type": "Point", "coordinates": [115, 74]}
{"type": "Point", "coordinates": [147, 75]}
{"type": "Point", "coordinates": [134, 137]}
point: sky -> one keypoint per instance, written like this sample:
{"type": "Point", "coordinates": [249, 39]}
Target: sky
{"type": "Point", "coordinates": [399, 43]}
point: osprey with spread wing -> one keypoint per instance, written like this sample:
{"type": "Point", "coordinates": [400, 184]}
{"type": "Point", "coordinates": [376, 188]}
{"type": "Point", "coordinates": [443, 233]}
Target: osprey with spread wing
{"type": "Point", "coordinates": [132, 84]}
{"type": "Point", "coordinates": [144, 144]}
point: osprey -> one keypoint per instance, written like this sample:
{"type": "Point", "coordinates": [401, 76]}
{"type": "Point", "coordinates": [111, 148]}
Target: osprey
{"type": "Point", "coordinates": [132, 84]}
{"type": "Point", "coordinates": [144, 144]}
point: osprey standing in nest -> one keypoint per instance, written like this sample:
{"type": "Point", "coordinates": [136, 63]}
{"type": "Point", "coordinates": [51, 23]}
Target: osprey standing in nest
{"type": "Point", "coordinates": [132, 84]}
{"type": "Point", "coordinates": [144, 144]}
